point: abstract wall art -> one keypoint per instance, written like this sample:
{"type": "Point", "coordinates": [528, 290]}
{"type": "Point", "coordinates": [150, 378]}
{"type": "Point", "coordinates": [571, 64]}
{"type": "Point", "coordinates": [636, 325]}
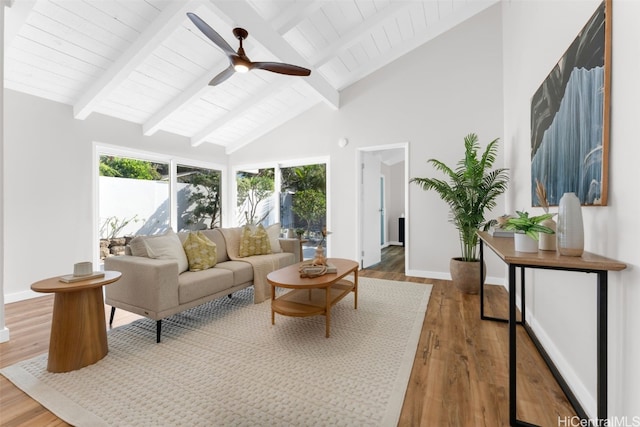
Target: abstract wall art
{"type": "Point", "coordinates": [570, 118]}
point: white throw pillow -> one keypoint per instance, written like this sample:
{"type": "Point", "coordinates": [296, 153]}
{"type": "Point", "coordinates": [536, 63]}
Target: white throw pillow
{"type": "Point", "coordinates": [273, 231]}
{"type": "Point", "coordinates": [167, 246]}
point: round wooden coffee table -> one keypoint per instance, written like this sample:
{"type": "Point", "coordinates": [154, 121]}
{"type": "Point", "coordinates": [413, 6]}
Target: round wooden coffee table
{"type": "Point", "coordinates": [78, 327]}
{"type": "Point", "coordinates": [312, 296]}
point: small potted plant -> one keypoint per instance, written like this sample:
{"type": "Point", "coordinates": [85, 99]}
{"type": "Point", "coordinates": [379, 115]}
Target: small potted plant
{"type": "Point", "coordinates": [527, 230]}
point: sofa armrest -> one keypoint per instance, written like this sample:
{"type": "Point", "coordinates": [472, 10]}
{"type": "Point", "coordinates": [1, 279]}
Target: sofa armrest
{"type": "Point", "coordinates": [146, 283]}
{"type": "Point", "coordinates": [291, 246]}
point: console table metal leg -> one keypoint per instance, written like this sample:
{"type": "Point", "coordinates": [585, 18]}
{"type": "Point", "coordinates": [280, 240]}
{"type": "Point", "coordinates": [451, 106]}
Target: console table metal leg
{"type": "Point", "coordinates": [522, 301]}
{"type": "Point", "coordinates": [523, 310]}
{"type": "Point", "coordinates": [482, 317]}
{"type": "Point", "coordinates": [602, 324]}
{"type": "Point", "coordinates": [512, 344]}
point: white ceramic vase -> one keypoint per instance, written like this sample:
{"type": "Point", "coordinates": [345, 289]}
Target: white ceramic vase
{"type": "Point", "coordinates": [547, 242]}
{"type": "Point", "coordinates": [524, 243]}
{"type": "Point", "coordinates": [570, 230]}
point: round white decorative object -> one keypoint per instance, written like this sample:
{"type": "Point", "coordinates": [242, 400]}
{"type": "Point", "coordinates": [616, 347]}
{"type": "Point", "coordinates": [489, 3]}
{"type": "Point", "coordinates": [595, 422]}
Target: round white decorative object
{"type": "Point", "coordinates": [570, 230]}
{"type": "Point", "coordinates": [547, 241]}
{"type": "Point", "coordinates": [342, 142]}
{"type": "Point", "coordinates": [524, 243]}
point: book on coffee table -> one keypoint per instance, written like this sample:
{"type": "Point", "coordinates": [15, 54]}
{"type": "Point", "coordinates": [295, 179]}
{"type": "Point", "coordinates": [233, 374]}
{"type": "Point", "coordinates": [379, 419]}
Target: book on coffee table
{"type": "Point", "coordinates": [70, 278]}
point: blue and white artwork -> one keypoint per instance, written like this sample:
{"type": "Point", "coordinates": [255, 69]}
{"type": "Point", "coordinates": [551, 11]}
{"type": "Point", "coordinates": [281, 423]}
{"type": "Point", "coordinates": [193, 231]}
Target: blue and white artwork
{"type": "Point", "coordinates": [568, 137]}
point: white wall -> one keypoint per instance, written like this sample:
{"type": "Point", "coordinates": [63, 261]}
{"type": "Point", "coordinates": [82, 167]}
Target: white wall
{"type": "Point", "coordinates": [145, 200]}
{"type": "Point", "coordinates": [431, 98]}
{"type": "Point", "coordinates": [536, 35]}
{"type": "Point", "coordinates": [48, 197]}
{"type": "Point", "coordinates": [4, 331]}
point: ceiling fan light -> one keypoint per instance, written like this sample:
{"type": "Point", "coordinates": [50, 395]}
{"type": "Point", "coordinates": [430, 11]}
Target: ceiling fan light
{"type": "Point", "coordinates": [241, 68]}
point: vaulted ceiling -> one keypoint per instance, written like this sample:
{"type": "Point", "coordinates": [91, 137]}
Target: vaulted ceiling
{"type": "Point", "coordinates": [145, 62]}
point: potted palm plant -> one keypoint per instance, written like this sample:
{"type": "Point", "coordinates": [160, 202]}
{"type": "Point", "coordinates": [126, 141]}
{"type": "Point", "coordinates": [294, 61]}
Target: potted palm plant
{"type": "Point", "coordinates": [527, 229]}
{"type": "Point", "coordinates": [471, 189]}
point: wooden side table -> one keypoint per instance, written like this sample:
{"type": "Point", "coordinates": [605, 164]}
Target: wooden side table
{"type": "Point", "coordinates": [78, 327]}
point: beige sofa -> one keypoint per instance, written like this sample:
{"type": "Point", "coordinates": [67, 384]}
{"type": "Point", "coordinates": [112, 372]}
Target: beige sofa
{"type": "Point", "coordinates": [155, 288]}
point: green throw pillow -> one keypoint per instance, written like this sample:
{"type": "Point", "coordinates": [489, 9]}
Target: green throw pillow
{"type": "Point", "coordinates": [254, 242]}
{"type": "Point", "coordinates": [201, 252]}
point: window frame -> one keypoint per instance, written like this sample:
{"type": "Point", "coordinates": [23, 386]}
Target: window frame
{"type": "Point", "coordinates": [102, 149]}
{"type": "Point", "coordinates": [277, 165]}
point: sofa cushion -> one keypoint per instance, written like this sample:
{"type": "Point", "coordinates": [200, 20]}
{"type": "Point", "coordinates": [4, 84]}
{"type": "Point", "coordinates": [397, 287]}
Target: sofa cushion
{"type": "Point", "coordinates": [167, 246]}
{"type": "Point", "coordinates": [201, 252]}
{"type": "Point", "coordinates": [274, 237]}
{"type": "Point", "coordinates": [193, 285]}
{"type": "Point", "coordinates": [242, 271]}
{"type": "Point", "coordinates": [254, 241]}
{"type": "Point", "coordinates": [216, 237]}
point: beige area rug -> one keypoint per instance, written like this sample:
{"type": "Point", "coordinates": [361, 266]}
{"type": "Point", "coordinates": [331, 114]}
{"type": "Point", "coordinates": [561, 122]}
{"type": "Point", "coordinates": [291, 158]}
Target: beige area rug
{"type": "Point", "coordinates": [224, 364]}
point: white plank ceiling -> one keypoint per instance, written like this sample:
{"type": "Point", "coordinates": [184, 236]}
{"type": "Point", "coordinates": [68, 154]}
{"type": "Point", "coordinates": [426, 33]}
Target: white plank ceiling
{"type": "Point", "coordinates": [145, 62]}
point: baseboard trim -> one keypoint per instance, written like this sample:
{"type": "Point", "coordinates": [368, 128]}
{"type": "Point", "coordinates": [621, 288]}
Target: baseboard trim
{"type": "Point", "coordinates": [490, 280]}
{"type": "Point", "coordinates": [20, 296]}
{"type": "Point", "coordinates": [580, 391]}
{"type": "Point", "coordinates": [429, 274]}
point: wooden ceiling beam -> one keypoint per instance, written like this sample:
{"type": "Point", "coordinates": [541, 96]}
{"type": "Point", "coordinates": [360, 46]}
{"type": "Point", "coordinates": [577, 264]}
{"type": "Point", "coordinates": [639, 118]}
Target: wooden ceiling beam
{"type": "Point", "coordinates": [16, 15]}
{"type": "Point", "coordinates": [267, 91]}
{"type": "Point", "coordinates": [170, 17]}
{"type": "Point", "coordinates": [294, 14]}
{"type": "Point", "coordinates": [199, 87]}
{"type": "Point", "coordinates": [295, 110]}
{"type": "Point", "coordinates": [191, 94]}
{"type": "Point", "coordinates": [357, 33]}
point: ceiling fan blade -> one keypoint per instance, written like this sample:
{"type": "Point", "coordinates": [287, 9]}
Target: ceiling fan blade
{"type": "Point", "coordinates": [278, 67]}
{"type": "Point", "coordinates": [224, 75]}
{"type": "Point", "coordinates": [211, 34]}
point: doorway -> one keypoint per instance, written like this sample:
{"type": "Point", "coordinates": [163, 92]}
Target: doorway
{"type": "Point", "coordinates": [382, 204]}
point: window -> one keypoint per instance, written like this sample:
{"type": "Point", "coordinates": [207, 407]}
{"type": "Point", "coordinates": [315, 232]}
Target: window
{"type": "Point", "coordinates": [294, 194]}
{"type": "Point", "coordinates": [143, 193]}
{"type": "Point", "coordinates": [303, 203]}
{"type": "Point", "coordinates": [133, 199]}
{"type": "Point", "coordinates": [303, 198]}
{"type": "Point", "coordinates": [255, 197]}
{"type": "Point", "coordinates": [199, 198]}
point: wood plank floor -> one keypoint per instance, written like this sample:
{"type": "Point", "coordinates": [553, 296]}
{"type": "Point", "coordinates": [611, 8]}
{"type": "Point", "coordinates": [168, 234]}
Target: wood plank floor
{"type": "Point", "coordinates": [459, 376]}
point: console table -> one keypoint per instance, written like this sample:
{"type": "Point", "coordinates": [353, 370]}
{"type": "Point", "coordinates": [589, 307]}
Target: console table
{"type": "Point", "coordinates": [551, 260]}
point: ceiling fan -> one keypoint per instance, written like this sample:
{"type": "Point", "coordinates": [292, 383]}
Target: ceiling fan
{"type": "Point", "coordinates": [239, 61]}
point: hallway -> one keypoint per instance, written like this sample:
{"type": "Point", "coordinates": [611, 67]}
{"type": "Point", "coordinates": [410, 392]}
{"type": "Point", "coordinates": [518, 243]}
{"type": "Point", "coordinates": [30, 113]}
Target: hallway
{"type": "Point", "coordinates": [392, 260]}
